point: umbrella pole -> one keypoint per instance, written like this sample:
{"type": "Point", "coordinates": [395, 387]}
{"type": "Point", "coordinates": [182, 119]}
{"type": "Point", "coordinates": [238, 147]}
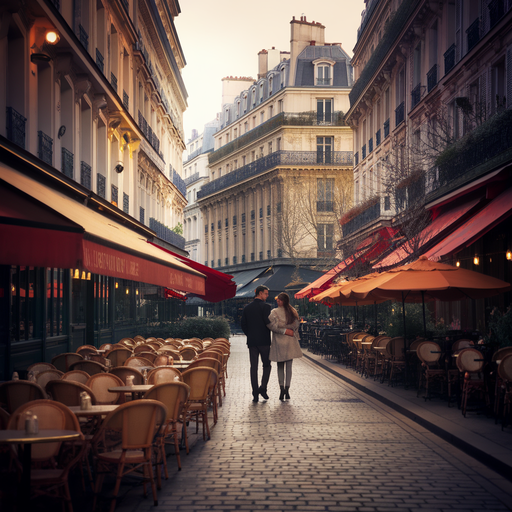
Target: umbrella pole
{"type": "Point", "coordinates": [375, 313]}
{"type": "Point", "coordinates": [424, 321]}
{"type": "Point", "coordinates": [405, 343]}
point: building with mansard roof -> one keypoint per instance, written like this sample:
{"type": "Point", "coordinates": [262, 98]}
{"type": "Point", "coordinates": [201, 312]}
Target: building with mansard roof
{"type": "Point", "coordinates": [281, 170]}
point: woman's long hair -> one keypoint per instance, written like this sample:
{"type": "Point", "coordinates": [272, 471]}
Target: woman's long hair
{"type": "Point", "coordinates": [291, 312]}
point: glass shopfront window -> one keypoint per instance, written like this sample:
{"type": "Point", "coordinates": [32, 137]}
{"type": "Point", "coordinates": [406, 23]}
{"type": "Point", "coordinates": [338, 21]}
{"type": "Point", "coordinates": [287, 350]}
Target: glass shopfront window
{"type": "Point", "coordinates": [56, 317]}
{"type": "Point", "coordinates": [101, 302]}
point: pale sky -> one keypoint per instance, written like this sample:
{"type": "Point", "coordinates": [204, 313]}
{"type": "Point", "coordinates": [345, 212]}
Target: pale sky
{"type": "Point", "coordinates": [222, 38]}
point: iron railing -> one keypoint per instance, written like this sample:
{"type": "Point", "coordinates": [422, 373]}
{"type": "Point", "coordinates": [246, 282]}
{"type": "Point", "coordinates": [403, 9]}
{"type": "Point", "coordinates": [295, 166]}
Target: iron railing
{"type": "Point", "coordinates": [45, 147]}
{"type": "Point", "coordinates": [356, 158]}
{"type": "Point", "coordinates": [85, 174]}
{"type": "Point", "coordinates": [179, 183]}
{"type": "Point", "coordinates": [432, 78]}
{"type": "Point", "coordinates": [114, 195]}
{"type": "Point", "coordinates": [113, 81]}
{"type": "Point", "coordinates": [67, 163]}
{"type": "Point", "coordinates": [386, 128]}
{"type": "Point", "coordinates": [449, 59]}
{"type": "Point", "coordinates": [83, 36]}
{"type": "Point", "coordinates": [16, 127]}
{"type": "Point", "coordinates": [126, 100]}
{"type": "Point", "coordinates": [371, 214]}
{"type": "Point", "coordinates": [363, 152]}
{"type": "Point", "coordinates": [496, 11]}
{"type": "Point", "coordinates": [142, 214]}
{"type": "Point", "coordinates": [191, 179]}
{"type": "Point", "coordinates": [101, 183]}
{"type": "Point", "coordinates": [126, 203]}
{"type": "Point", "coordinates": [377, 138]}
{"type": "Point", "coordinates": [415, 96]}
{"type": "Point", "coordinates": [266, 163]}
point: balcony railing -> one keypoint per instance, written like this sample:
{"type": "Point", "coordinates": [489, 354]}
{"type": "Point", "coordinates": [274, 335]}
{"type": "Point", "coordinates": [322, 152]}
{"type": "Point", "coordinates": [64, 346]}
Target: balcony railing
{"type": "Point", "coordinates": [473, 34]}
{"type": "Point", "coordinates": [400, 114]}
{"type": "Point", "coordinates": [339, 158]}
{"type": "Point", "coordinates": [179, 183]}
{"type": "Point", "coordinates": [281, 119]}
{"type": "Point", "coordinates": [126, 100]}
{"type": "Point", "coordinates": [432, 78]}
{"type": "Point", "coordinates": [67, 163]}
{"type": "Point", "coordinates": [481, 150]}
{"type": "Point", "coordinates": [99, 60]}
{"type": "Point", "coordinates": [371, 214]}
{"type": "Point", "coordinates": [370, 145]}
{"type": "Point", "coordinates": [83, 36]}
{"type": "Point", "coordinates": [324, 206]}
{"type": "Point", "coordinates": [16, 127]}
{"type": "Point", "coordinates": [323, 81]}
{"type": "Point", "coordinates": [386, 128]}
{"type": "Point", "coordinates": [114, 195]}
{"type": "Point", "coordinates": [126, 203]}
{"type": "Point", "coordinates": [101, 182]}
{"type": "Point", "coordinates": [113, 81]}
{"type": "Point", "coordinates": [449, 59]}
{"type": "Point", "coordinates": [363, 152]}
{"type": "Point", "coordinates": [142, 214]}
{"type": "Point", "coordinates": [191, 179]}
{"type": "Point", "coordinates": [85, 174]}
{"type": "Point", "coordinates": [45, 147]}
{"type": "Point", "coordinates": [415, 96]}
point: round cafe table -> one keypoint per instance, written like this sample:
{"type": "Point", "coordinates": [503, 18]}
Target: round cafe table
{"type": "Point", "coordinates": [27, 440]}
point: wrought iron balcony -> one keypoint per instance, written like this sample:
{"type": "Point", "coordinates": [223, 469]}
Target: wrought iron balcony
{"type": "Point", "coordinates": [281, 119]}
{"type": "Point", "coordinates": [83, 36]}
{"type": "Point", "coordinates": [449, 59]}
{"type": "Point", "coordinates": [323, 81]}
{"type": "Point", "coordinates": [400, 113]}
{"type": "Point", "coordinates": [45, 147]}
{"type": "Point", "coordinates": [142, 214]}
{"type": "Point", "coordinates": [85, 174]}
{"type": "Point", "coordinates": [16, 127]}
{"type": "Point", "coordinates": [415, 96]}
{"type": "Point", "coordinates": [113, 81]}
{"type": "Point", "coordinates": [377, 138]}
{"type": "Point", "coordinates": [67, 163]}
{"type": "Point", "coordinates": [473, 34]}
{"type": "Point", "coordinates": [386, 128]}
{"type": "Point", "coordinates": [432, 78]}
{"type": "Point", "coordinates": [266, 163]}
{"type": "Point", "coordinates": [324, 206]}
{"type": "Point", "coordinates": [191, 179]}
{"type": "Point", "coordinates": [101, 182]}
{"type": "Point", "coordinates": [363, 152]}
{"type": "Point", "coordinates": [179, 183]}
{"type": "Point", "coordinates": [367, 216]}
{"type": "Point", "coordinates": [126, 100]}
{"type": "Point", "coordinates": [126, 203]}
{"type": "Point", "coordinates": [99, 60]}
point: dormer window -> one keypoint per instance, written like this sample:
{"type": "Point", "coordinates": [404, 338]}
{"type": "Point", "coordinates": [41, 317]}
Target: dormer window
{"type": "Point", "coordinates": [245, 102]}
{"type": "Point", "coordinates": [270, 82]}
{"type": "Point", "coordinates": [238, 108]}
{"type": "Point", "coordinates": [253, 97]}
{"type": "Point", "coordinates": [261, 92]}
{"type": "Point", "coordinates": [282, 77]}
{"type": "Point", "coordinates": [323, 71]}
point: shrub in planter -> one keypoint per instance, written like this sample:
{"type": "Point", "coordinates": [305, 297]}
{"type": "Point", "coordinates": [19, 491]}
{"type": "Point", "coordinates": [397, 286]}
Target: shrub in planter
{"type": "Point", "coordinates": [198, 327]}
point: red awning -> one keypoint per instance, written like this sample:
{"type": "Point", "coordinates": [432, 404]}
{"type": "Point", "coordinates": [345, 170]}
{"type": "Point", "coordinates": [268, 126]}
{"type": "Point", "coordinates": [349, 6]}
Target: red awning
{"type": "Point", "coordinates": [476, 227]}
{"type": "Point", "coordinates": [219, 286]}
{"type": "Point", "coordinates": [75, 236]}
{"type": "Point", "coordinates": [440, 225]}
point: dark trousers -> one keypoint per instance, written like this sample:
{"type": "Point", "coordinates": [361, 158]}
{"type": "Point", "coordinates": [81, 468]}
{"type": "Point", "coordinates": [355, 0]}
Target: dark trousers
{"type": "Point", "coordinates": [254, 353]}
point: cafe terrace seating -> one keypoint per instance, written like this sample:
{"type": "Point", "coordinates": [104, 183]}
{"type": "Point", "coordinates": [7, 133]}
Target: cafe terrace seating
{"type": "Point", "coordinates": [15, 393]}
{"type": "Point", "coordinates": [118, 355]}
{"type": "Point", "coordinates": [164, 374]}
{"type": "Point", "coordinates": [63, 361]}
{"type": "Point", "coordinates": [99, 385]}
{"type": "Point", "coordinates": [124, 442]}
{"type": "Point", "coordinates": [40, 367]}
{"type": "Point", "coordinates": [124, 371]}
{"type": "Point", "coordinates": [42, 378]}
{"type": "Point", "coordinates": [67, 392]}
{"type": "Point", "coordinates": [52, 461]}
{"type": "Point", "coordinates": [138, 362]}
{"type": "Point", "coordinates": [91, 367]}
{"type": "Point", "coordinates": [174, 395]}
{"type": "Point", "coordinates": [76, 376]}
{"type": "Point", "coordinates": [470, 363]}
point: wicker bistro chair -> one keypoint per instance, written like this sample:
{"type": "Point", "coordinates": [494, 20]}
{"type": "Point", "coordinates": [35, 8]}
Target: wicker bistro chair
{"type": "Point", "coordinates": [162, 375]}
{"type": "Point", "coordinates": [169, 351]}
{"type": "Point", "coordinates": [99, 385]}
{"type": "Point", "coordinates": [395, 347]}
{"type": "Point", "coordinates": [208, 362]}
{"type": "Point", "coordinates": [151, 356]}
{"type": "Point", "coordinates": [124, 371]}
{"type": "Point", "coordinates": [46, 376]}
{"type": "Point", "coordinates": [163, 360]}
{"type": "Point", "coordinates": [125, 441]}
{"type": "Point", "coordinates": [470, 362]}
{"type": "Point", "coordinates": [145, 347]}
{"type": "Point", "coordinates": [15, 393]}
{"type": "Point", "coordinates": [40, 367]}
{"type": "Point", "coordinates": [91, 367]}
{"type": "Point", "coordinates": [76, 376]}
{"type": "Point", "coordinates": [505, 376]}
{"type": "Point", "coordinates": [429, 353]}
{"type": "Point", "coordinates": [138, 362]}
{"type": "Point", "coordinates": [499, 384]}
{"type": "Point", "coordinates": [188, 352]}
{"type": "Point", "coordinates": [199, 380]}
{"type": "Point", "coordinates": [67, 392]}
{"type": "Point", "coordinates": [118, 355]}
{"type": "Point", "coordinates": [222, 370]}
{"type": "Point", "coordinates": [63, 361]}
{"type": "Point", "coordinates": [53, 460]}
{"type": "Point", "coordinates": [174, 395]}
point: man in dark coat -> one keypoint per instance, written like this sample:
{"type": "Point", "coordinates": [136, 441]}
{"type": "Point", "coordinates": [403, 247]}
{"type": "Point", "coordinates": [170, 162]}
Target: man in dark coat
{"type": "Point", "coordinates": [254, 324]}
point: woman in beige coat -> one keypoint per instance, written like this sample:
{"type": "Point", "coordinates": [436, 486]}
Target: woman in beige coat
{"type": "Point", "coordinates": [284, 348]}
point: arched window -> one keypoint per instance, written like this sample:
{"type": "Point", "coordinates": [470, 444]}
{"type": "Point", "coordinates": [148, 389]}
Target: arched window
{"type": "Point", "coordinates": [324, 71]}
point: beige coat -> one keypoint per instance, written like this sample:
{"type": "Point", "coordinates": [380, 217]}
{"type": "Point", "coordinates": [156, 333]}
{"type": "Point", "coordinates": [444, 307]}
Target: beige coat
{"type": "Point", "coordinates": [283, 347]}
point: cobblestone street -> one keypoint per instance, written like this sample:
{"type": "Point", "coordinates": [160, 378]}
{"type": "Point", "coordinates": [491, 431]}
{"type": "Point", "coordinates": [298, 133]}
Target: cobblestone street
{"type": "Point", "coordinates": [329, 448]}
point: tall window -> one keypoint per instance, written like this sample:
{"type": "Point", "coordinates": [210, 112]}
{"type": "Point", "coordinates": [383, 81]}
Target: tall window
{"type": "Point", "coordinates": [324, 150]}
{"type": "Point", "coordinates": [325, 193]}
{"type": "Point", "coordinates": [323, 75]}
{"type": "Point", "coordinates": [324, 111]}
{"type": "Point", "coordinates": [325, 237]}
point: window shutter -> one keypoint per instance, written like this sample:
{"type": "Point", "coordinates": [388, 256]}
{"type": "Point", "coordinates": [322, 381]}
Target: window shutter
{"type": "Point", "coordinates": [320, 111]}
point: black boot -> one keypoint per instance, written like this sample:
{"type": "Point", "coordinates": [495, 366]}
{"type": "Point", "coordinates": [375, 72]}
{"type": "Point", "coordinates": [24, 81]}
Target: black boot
{"type": "Point", "coordinates": [255, 396]}
{"type": "Point", "coordinates": [286, 394]}
{"type": "Point", "coordinates": [281, 396]}
{"type": "Point", "coordinates": [263, 392]}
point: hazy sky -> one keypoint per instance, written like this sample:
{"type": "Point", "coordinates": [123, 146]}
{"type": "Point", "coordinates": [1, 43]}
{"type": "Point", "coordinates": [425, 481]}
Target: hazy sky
{"type": "Point", "coordinates": [222, 38]}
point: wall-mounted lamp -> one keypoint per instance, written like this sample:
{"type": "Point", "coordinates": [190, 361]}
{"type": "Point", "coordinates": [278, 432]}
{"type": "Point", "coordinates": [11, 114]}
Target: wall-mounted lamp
{"type": "Point", "coordinates": [117, 285]}
{"type": "Point", "coordinates": [136, 292]}
{"type": "Point", "coordinates": [509, 255]}
{"type": "Point", "coordinates": [119, 168]}
{"type": "Point", "coordinates": [52, 37]}
{"type": "Point", "coordinates": [476, 260]}
{"type": "Point", "coordinates": [457, 264]}
{"type": "Point", "coordinates": [127, 291]}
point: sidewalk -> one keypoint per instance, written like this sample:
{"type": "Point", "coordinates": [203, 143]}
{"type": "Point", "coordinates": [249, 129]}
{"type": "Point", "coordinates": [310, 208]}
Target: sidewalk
{"type": "Point", "coordinates": [477, 434]}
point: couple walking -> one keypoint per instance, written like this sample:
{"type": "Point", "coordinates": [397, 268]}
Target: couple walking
{"type": "Point", "coordinates": [258, 320]}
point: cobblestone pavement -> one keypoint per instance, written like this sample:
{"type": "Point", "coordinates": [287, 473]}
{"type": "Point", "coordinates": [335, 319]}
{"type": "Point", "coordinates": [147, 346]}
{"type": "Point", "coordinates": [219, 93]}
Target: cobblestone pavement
{"type": "Point", "coordinates": [329, 448]}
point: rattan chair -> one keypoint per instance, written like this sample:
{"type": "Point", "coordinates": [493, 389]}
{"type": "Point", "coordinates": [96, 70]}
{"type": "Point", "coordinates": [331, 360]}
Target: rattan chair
{"type": "Point", "coordinates": [124, 371]}
{"type": "Point", "coordinates": [67, 392]}
{"type": "Point", "coordinates": [40, 367]}
{"type": "Point", "coordinates": [174, 395]}
{"type": "Point", "coordinates": [63, 361]}
{"type": "Point", "coordinates": [163, 360]}
{"type": "Point", "coordinates": [53, 461]}
{"type": "Point", "coordinates": [91, 367]}
{"type": "Point", "coordinates": [76, 376]}
{"type": "Point", "coordinates": [161, 375]}
{"type": "Point", "coordinates": [118, 355]}
{"type": "Point", "coordinates": [470, 363]}
{"type": "Point", "coordinates": [15, 393]}
{"type": "Point", "coordinates": [188, 353]}
{"type": "Point", "coordinates": [208, 362]}
{"type": "Point", "coordinates": [132, 432]}
{"type": "Point", "coordinates": [100, 384]}
{"type": "Point", "coordinates": [46, 376]}
{"type": "Point", "coordinates": [429, 353]}
{"type": "Point", "coordinates": [138, 362]}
